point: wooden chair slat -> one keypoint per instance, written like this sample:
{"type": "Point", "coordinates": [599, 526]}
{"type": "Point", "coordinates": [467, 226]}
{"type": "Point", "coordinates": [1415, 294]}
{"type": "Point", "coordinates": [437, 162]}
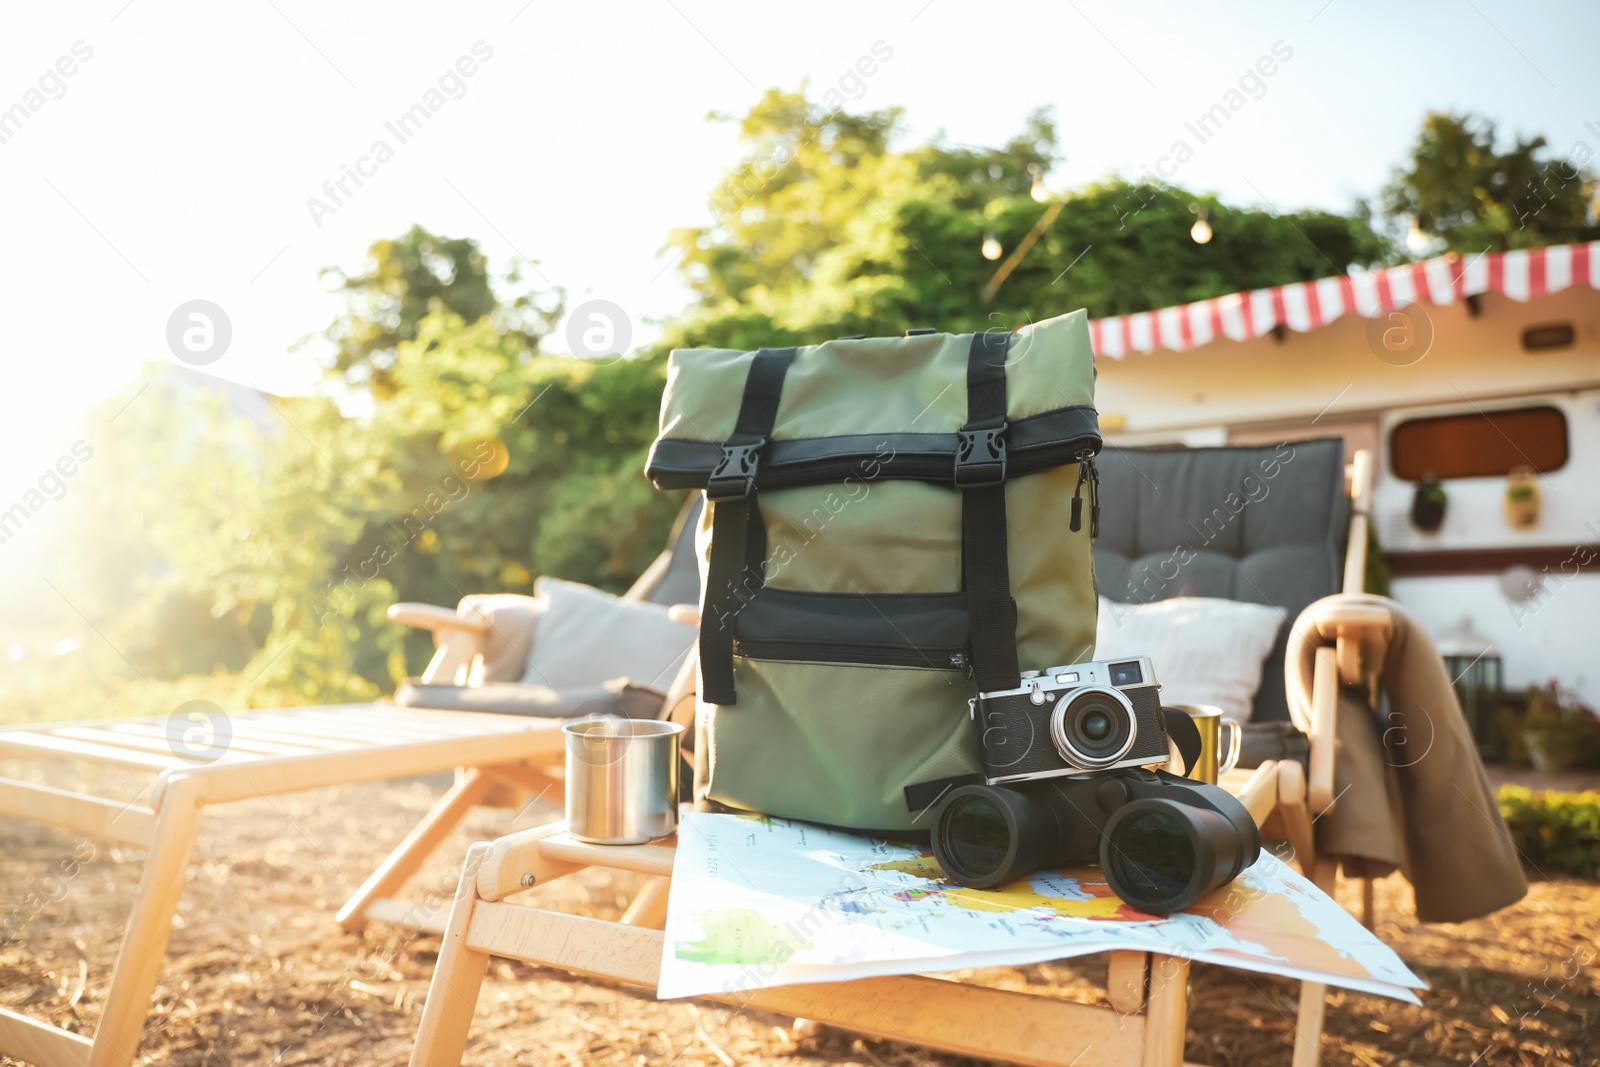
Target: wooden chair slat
{"type": "Point", "coordinates": [41, 1043]}
{"type": "Point", "coordinates": [153, 745]}
{"type": "Point", "coordinates": [242, 736]}
{"type": "Point", "coordinates": [49, 746]}
{"type": "Point", "coordinates": [125, 822]}
{"type": "Point", "coordinates": [953, 1016]}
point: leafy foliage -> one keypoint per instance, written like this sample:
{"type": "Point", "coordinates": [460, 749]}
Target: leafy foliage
{"type": "Point", "coordinates": [408, 278]}
{"type": "Point", "coordinates": [267, 536]}
{"type": "Point", "coordinates": [1459, 187]}
{"type": "Point", "coordinates": [826, 228]}
{"type": "Point", "coordinates": [271, 537]}
{"type": "Point", "coordinates": [1554, 831]}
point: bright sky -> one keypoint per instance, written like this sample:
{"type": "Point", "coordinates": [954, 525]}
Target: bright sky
{"type": "Point", "coordinates": [176, 160]}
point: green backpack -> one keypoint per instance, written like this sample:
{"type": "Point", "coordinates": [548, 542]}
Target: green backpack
{"type": "Point", "coordinates": [895, 524]}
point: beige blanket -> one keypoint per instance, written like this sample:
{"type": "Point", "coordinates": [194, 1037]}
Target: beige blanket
{"type": "Point", "coordinates": [1411, 790]}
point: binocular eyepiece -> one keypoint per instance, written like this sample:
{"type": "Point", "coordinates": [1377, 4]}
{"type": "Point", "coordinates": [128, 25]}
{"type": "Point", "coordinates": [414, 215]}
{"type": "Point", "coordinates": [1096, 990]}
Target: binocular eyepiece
{"type": "Point", "coordinates": [1163, 841]}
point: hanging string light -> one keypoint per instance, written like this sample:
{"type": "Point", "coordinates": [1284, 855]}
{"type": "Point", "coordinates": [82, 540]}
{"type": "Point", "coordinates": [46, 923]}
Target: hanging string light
{"type": "Point", "coordinates": [991, 246]}
{"type": "Point", "coordinates": [1201, 230]}
{"type": "Point", "coordinates": [1039, 193]}
{"type": "Point", "coordinates": [1416, 240]}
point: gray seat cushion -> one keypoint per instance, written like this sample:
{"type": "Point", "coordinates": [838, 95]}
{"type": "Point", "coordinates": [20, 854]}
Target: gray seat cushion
{"type": "Point", "coordinates": [541, 701]}
{"type": "Point", "coordinates": [1264, 525]}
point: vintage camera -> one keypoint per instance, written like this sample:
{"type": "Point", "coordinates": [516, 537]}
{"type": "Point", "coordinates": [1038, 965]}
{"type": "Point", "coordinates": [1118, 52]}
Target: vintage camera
{"type": "Point", "coordinates": [1092, 716]}
{"type": "Point", "coordinates": [1163, 841]}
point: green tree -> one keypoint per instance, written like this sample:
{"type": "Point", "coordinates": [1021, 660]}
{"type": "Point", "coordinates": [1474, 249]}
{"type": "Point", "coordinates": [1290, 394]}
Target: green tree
{"type": "Point", "coordinates": [408, 278]}
{"type": "Point", "coordinates": [1459, 187]}
{"type": "Point", "coordinates": [826, 228]}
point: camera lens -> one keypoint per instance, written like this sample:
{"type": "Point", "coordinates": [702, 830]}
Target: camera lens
{"type": "Point", "coordinates": [977, 839]}
{"type": "Point", "coordinates": [1093, 727]}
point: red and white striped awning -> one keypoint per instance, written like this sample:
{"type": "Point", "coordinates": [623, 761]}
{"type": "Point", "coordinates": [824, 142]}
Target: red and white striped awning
{"type": "Point", "coordinates": [1522, 275]}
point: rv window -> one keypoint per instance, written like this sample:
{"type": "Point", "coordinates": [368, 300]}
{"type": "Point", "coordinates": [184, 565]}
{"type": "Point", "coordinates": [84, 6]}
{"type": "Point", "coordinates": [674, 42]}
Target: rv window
{"type": "Point", "coordinates": [1479, 444]}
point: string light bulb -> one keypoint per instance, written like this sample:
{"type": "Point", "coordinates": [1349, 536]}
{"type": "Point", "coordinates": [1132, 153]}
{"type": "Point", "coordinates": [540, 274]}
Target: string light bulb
{"type": "Point", "coordinates": [1039, 193]}
{"type": "Point", "coordinates": [1201, 230]}
{"type": "Point", "coordinates": [1416, 240]}
{"type": "Point", "coordinates": [991, 246]}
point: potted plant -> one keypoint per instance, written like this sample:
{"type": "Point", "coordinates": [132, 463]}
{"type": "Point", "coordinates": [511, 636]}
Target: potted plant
{"type": "Point", "coordinates": [1558, 733]}
{"type": "Point", "coordinates": [1522, 499]}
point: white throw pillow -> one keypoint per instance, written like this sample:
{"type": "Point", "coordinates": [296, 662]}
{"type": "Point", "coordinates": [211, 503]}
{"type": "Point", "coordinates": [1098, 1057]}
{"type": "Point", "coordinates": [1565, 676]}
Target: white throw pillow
{"type": "Point", "coordinates": [588, 636]}
{"type": "Point", "coordinates": [1205, 650]}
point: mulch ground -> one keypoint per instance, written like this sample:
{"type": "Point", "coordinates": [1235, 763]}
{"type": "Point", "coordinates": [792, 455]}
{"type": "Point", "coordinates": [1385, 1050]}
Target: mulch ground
{"type": "Point", "coordinates": [258, 972]}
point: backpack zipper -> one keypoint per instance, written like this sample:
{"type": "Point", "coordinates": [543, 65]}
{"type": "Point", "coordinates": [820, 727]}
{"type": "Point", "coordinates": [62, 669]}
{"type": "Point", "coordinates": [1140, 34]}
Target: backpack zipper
{"type": "Point", "coordinates": [870, 655]}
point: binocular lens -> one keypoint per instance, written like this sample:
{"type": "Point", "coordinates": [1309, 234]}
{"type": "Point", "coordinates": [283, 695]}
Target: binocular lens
{"type": "Point", "coordinates": [1160, 856]}
{"type": "Point", "coordinates": [977, 836]}
{"type": "Point", "coordinates": [1155, 855]}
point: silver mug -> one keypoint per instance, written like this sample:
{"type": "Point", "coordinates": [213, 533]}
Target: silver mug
{"type": "Point", "coordinates": [622, 780]}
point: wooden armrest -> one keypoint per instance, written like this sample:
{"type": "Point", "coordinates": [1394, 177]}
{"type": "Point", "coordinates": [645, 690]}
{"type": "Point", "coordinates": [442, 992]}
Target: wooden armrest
{"type": "Point", "coordinates": [432, 617]}
{"type": "Point", "coordinates": [1360, 633]}
{"type": "Point", "coordinates": [534, 857]}
{"type": "Point", "coordinates": [1324, 718]}
{"type": "Point", "coordinates": [1258, 792]}
{"type": "Point", "coordinates": [513, 863]}
{"type": "Point", "coordinates": [1334, 618]}
{"type": "Point", "coordinates": [685, 613]}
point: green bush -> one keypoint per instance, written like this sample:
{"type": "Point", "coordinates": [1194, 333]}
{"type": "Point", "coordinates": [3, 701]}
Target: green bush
{"type": "Point", "coordinates": [1555, 831]}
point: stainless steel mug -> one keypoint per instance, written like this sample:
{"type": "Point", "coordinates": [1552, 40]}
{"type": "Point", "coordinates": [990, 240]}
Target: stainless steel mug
{"type": "Point", "coordinates": [1209, 721]}
{"type": "Point", "coordinates": [622, 780]}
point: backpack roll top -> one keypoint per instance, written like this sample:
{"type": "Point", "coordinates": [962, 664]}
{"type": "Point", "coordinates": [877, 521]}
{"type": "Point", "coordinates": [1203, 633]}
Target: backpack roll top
{"type": "Point", "coordinates": [893, 525]}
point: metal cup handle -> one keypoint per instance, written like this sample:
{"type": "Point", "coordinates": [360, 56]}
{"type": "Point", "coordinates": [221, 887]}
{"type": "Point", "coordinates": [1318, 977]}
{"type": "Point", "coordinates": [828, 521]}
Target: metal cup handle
{"type": "Point", "coordinates": [1235, 746]}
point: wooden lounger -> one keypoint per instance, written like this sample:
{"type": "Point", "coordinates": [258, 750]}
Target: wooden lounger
{"type": "Point", "coordinates": [269, 753]}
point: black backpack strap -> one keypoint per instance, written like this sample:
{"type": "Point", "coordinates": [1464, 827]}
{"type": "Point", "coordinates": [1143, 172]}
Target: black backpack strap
{"type": "Point", "coordinates": [734, 574]}
{"type": "Point", "coordinates": [980, 474]}
{"type": "Point", "coordinates": [1186, 735]}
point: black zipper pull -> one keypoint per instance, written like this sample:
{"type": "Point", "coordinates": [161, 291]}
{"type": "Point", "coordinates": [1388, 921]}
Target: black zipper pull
{"type": "Point", "coordinates": [1084, 460]}
{"type": "Point", "coordinates": [1094, 500]}
{"type": "Point", "coordinates": [961, 662]}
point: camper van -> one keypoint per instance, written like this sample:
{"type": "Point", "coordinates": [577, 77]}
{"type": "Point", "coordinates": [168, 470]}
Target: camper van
{"type": "Point", "coordinates": [1475, 384]}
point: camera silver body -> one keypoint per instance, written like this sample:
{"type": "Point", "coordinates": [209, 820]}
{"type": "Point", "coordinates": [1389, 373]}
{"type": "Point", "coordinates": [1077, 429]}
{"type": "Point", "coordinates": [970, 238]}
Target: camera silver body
{"type": "Point", "coordinates": [1082, 717]}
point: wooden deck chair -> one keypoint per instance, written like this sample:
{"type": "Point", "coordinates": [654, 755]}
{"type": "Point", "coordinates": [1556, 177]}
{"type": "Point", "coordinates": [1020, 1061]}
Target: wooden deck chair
{"type": "Point", "coordinates": [268, 753]}
{"type": "Point", "coordinates": [1303, 540]}
{"type": "Point", "coordinates": [1143, 1027]}
{"type": "Point", "coordinates": [1146, 1022]}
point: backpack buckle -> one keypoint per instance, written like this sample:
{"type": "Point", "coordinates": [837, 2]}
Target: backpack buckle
{"type": "Point", "coordinates": [981, 457]}
{"type": "Point", "coordinates": [735, 473]}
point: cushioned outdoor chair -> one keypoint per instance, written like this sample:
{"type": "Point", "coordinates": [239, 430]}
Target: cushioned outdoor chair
{"type": "Point", "coordinates": [468, 712]}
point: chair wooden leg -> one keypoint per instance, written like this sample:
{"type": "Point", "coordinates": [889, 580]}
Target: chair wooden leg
{"type": "Point", "coordinates": [1314, 995]}
{"type": "Point", "coordinates": [1308, 1024]}
{"type": "Point", "coordinates": [418, 845]}
{"type": "Point", "coordinates": [649, 908]}
{"type": "Point", "coordinates": [144, 947]}
{"type": "Point", "coordinates": [457, 979]}
{"type": "Point", "coordinates": [1166, 1014]}
{"type": "Point", "coordinates": [1125, 979]}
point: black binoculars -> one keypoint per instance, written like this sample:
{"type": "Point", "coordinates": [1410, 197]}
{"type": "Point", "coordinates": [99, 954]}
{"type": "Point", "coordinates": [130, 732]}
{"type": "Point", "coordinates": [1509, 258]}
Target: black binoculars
{"type": "Point", "coordinates": [1163, 841]}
